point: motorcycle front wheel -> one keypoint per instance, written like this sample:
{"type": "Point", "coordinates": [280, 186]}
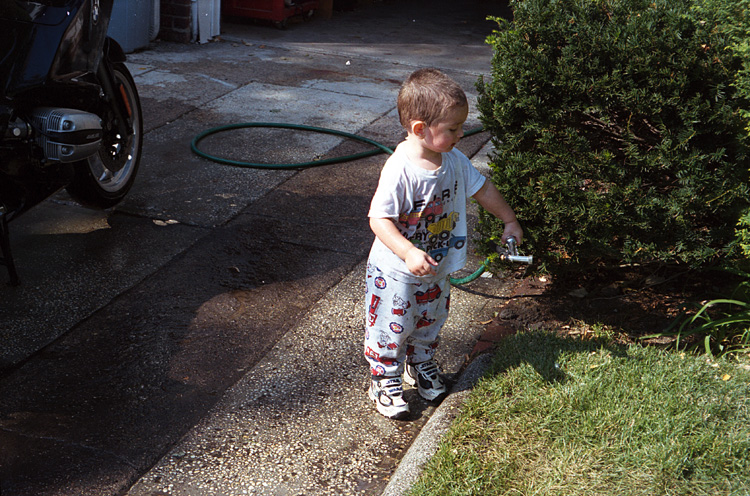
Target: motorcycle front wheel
{"type": "Point", "coordinates": [103, 180]}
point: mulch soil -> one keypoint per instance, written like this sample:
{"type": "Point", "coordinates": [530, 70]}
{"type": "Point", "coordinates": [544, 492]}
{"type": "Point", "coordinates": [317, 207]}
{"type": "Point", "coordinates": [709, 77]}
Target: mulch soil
{"type": "Point", "coordinates": [629, 303]}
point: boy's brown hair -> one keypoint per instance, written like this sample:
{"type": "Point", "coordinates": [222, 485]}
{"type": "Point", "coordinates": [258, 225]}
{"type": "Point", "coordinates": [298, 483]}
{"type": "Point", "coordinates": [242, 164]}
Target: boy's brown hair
{"type": "Point", "coordinates": [428, 95]}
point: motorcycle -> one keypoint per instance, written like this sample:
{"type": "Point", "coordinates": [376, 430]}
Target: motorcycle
{"type": "Point", "coordinates": [70, 116]}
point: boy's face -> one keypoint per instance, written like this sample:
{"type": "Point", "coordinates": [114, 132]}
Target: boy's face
{"type": "Point", "coordinates": [442, 136]}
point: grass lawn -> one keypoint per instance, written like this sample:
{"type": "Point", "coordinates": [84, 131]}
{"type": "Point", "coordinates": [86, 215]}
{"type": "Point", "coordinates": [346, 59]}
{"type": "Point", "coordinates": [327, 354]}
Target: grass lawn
{"type": "Point", "coordinates": [562, 416]}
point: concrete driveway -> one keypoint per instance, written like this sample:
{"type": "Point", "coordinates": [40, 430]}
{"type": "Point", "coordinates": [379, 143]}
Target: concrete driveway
{"type": "Point", "coordinates": [204, 337]}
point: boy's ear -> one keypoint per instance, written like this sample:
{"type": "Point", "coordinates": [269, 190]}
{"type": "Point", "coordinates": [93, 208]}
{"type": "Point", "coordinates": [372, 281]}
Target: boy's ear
{"type": "Point", "coordinates": [418, 128]}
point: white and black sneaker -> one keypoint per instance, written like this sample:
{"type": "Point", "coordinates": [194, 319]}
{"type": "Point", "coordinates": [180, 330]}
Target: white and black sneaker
{"type": "Point", "coordinates": [388, 395]}
{"type": "Point", "coordinates": [426, 377]}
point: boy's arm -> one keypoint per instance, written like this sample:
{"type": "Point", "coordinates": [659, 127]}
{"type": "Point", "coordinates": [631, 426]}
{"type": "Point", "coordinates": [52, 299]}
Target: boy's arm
{"type": "Point", "coordinates": [490, 198]}
{"type": "Point", "coordinates": [417, 261]}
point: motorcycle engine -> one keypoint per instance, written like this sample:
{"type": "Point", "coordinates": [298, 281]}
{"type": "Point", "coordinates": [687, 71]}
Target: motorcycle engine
{"type": "Point", "coordinates": [66, 135]}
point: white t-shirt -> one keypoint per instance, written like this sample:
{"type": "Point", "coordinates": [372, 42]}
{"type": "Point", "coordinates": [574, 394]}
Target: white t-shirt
{"type": "Point", "coordinates": [429, 208]}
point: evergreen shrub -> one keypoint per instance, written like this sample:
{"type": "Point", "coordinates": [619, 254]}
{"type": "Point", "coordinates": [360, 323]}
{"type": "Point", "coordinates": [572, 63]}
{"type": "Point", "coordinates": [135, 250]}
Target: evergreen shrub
{"type": "Point", "coordinates": [618, 130]}
{"type": "Point", "coordinates": [734, 24]}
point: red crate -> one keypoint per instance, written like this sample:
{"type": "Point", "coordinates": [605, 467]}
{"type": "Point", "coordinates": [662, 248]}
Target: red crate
{"type": "Point", "coordinates": [273, 10]}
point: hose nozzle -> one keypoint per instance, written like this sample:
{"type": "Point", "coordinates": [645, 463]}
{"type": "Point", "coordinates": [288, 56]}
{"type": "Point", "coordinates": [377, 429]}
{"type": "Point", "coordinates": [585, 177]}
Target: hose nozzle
{"type": "Point", "coordinates": [510, 252]}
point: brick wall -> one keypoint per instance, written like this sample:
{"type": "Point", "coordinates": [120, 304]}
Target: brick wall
{"type": "Point", "coordinates": [176, 21]}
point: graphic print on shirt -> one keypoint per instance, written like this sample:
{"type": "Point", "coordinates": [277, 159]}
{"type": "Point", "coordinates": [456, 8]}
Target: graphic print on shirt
{"type": "Point", "coordinates": [435, 221]}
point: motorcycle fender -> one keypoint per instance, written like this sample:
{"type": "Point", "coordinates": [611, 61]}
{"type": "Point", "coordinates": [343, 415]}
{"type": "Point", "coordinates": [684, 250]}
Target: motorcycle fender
{"type": "Point", "coordinates": [113, 51]}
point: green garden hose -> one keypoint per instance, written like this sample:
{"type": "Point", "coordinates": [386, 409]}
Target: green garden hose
{"type": "Point", "coordinates": [465, 280]}
{"type": "Point", "coordinates": [379, 148]}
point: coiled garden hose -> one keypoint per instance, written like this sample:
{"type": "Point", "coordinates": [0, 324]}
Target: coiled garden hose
{"type": "Point", "coordinates": [379, 148]}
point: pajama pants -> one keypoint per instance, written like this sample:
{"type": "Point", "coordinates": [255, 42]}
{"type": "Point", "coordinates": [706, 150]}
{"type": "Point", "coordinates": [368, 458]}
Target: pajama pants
{"type": "Point", "coordinates": [403, 320]}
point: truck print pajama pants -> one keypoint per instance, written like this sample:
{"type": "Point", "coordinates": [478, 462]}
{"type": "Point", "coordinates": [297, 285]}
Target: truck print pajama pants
{"type": "Point", "coordinates": [403, 319]}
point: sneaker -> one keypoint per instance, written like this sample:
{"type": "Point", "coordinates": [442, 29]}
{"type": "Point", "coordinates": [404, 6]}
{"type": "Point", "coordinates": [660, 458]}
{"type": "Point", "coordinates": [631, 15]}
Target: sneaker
{"type": "Point", "coordinates": [426, 376]}
{"type": "Point", "coordinates": [388, 395]}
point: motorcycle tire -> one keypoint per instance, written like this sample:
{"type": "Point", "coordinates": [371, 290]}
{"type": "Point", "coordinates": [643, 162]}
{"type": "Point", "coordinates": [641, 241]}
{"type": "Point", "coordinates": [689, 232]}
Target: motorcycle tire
{"type": "Point", "coordinates": [103, 180]}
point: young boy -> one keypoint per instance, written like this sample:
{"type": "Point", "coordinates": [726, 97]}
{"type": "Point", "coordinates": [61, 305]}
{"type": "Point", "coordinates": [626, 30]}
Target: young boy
{"type": "Point", "coordinates": [418, 215]}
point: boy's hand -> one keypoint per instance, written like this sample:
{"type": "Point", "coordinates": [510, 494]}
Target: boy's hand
{"type": "Point", "coordinates": [513, 229]}
{"type": "Point", "coordinates": [420, 263]}
{"type": "Point", "coordinates": [417, 261]}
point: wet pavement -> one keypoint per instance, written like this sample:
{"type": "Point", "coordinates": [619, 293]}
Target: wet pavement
{"type": "Point", "coordinates": [204, 337]}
